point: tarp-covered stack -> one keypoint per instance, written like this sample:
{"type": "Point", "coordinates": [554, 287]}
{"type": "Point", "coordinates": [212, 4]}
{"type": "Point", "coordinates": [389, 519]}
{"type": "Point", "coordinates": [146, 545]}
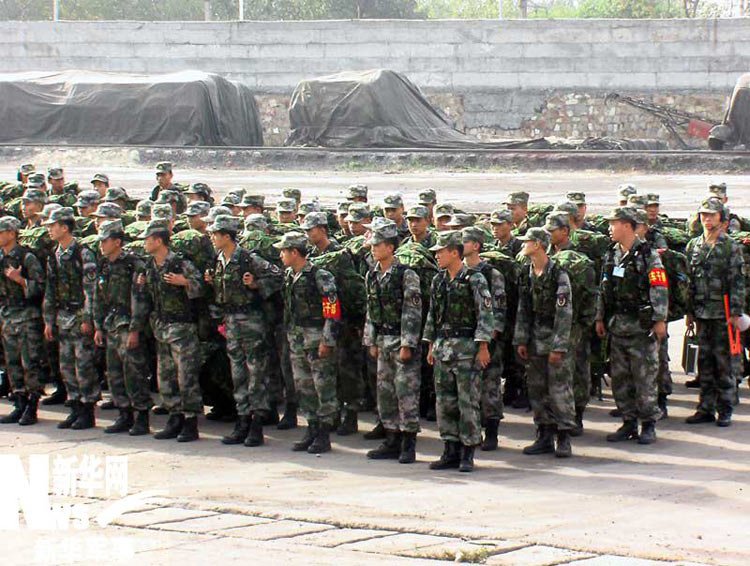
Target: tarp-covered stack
{"type": "Point", "coordinates": [734, 132]}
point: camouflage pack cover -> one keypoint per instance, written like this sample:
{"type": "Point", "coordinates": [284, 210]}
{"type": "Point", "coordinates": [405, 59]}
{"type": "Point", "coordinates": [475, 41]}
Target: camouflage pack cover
{"type": "Point", "coordinates": [350, 284]}
{"type": "Point", "coordinates": [676, 266]}
{"type": "Point", "coordinates": [583, 284]}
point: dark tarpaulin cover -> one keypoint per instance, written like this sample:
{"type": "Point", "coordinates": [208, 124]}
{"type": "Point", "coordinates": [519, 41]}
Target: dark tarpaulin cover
{"type": "Point", "coordinates": [184, 109]}
{"type": "Point", "coordinates": [738, 113]}
{"type": "Point", "coordinates": [377, 108]}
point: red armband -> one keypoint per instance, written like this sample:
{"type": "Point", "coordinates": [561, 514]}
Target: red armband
{"type": "Point", "coordinates": [658, 278]}
{"type": "Point", "coordinates": [331, 308]}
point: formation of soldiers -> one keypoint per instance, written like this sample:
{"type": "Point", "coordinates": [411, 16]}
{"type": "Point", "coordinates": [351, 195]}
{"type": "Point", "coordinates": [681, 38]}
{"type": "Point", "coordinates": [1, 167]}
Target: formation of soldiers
{"type": "Point", "coordinates": [420, 312]}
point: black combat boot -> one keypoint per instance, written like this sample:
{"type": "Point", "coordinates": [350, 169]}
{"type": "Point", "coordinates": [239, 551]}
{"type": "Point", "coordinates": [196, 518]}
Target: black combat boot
{"type": "Point", "coordinates": [21, 400]}
{"type": "Point", "coordinates": [349, 424]}
{"type": "Point", "coordinates": [725, 418]}
{"type": "Point", "coordinates": [700, 417]}
{"type": "Point", "coordinates": [161, 410]}
{"type": "Point", "coordinates": [255, 434]}
{"type": "Point", "coordinates": [617, 413]}
{"type": "Point", "coordinates": [662, 403]}
{"type": "Point", "coordinates": [86, 418]}
{"type": "Point", "coordinates": [467, 459]}
{"type": "Point", "coordinates": [322, 441]}
{"type": "Point", "coordinates": [239, 434]}
{"type": "Point", "coordinates": [408, 448]}
{"type": "Point", "coordinates": [123, 423]}
{"type": "Point", "coordinates": [375, 434]}
{"type": "Point", "coordinates": [578, 430]}
{"type": "Point", "coordinates": [271, 418]}
{"type": "Point", "coordinates": [694, 383]}
{"type": "Point", "coordinates": [648, 433]}
{"type": "Point", "coordinates": [29, 416]}
{"type": "Point", "coordinates": [189, 431]}
{"type": "Point", "coordinates": [490, 435]}
{"type": "Point", "coordinates": [75, 409]}
{"type": "Point", "coordinates": [59, 396]}
{"type": "Point", "coordinates": [544, 443]}
{"type": "Point", "coordinates": [140, 424]}
{"type": "Point", "coordinates": [108, 405]}
{"type": "Point", "coordinates": [390, 449]}
{"type": "Point", "coordinates": [451, 457]}
{"type": "Point", "coordinates": [310, 433]}
{"type": "Point", "coordinates": [172, 428]}
{"type": "Point", "coordinates": [289, 420]}
{"type": "Point", "coordinates": [628, 431]}
{"type": "Point", "coordinates": [563, 449]}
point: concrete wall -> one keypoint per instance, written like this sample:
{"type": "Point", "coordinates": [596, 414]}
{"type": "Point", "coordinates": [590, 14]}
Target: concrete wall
{"type": "Point", "coordinates": [494, 77]}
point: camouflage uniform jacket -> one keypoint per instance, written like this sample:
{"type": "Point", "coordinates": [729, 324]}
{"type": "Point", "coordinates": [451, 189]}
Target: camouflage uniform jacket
{"type": "Point", "coordinates": [70, 288]}
{"type": "Point", "coordinates": [19, 304]}
{"type": "Point", "coordinates": [306, 296]}
{"type": "Point", "coordinates": [115, 291]}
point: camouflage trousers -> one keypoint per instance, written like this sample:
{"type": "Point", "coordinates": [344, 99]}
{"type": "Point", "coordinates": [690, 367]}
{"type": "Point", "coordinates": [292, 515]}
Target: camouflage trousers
{"type": "Point", "coordinates": [314, 379]}
{"type": "Point", "coordinates": [178, 363]}
{"type": "Point", "coordinates": [398, 387]}
{"type": "Point", "coordinates": [457, 388]}
{"type": "Point", "coordinates": [23, 343]}
{"type": "Point", "coordinates": [350, 366]}
{"type": "Point", "coordinates": [127, 372]}
{"type": "Point", "coordinates": [281, 381]}
{"type": "Point", "coordinates": [718, 381]}
{"type": "Point", "coordinates": [664, 375]}
{"type": "Point", "coordinates": [248, 356]}
{"type": "Point", "coordinates": [492, 384]}
{"type": "Point", "coordinates": [634, 363]}
{"type": "Point", "coordinates": [77, 361]}
{"type": "Point", "coordinates": [551, 390]}
{"type": "Point", "coordinates": [580, 337]}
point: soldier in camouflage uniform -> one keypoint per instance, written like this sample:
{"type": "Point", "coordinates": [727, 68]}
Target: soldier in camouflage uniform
{"type": "Point", "coordinates": [392, 333]}
{"type": "Point", "coordinates": [492, 377]}
{"type": "Point", "coordinates": [518, 204]}
{"type": "Point", "coordinates": [164, 179]}
{"type": "Point", "coordinates": [199, 192]}
{"type": "Point", "coordinates": [165, 294]}
{"type": "Point", "coordinates": [632, 308]}
{"type": "Point", "coordinates": [717, 275]}
{"type": "Point", "coordinates": [357, 193]}
{"type": "Point", "coordinates": [286, 217]}
{"type": "Point", "coordinates": [21, 288]}
{"type": "Point", "coordinates": [87, 203]}
{"type": "Point", "coordinates": [420, 229]}
{"type": "Point", "coordinates": [59, 192]}
{"type": "Point", "coordinates": [393, 209]}
{"type": "Point", "coordinates": [127, 366]}
{"type": "Point", "coordinates": [242, 282]}
{"type": "Point", "coordinates": [502, 226]}
{"type": "Point", "coordinates": [293, 194]}
{"type": "Point", "coordinates": [312, 316]}
{"type": "Point", "coordinates": [542, 337]}
{"type": "Point", "coordinates": [253, 204]}
{"type": "Point", "coordinates": [428, 199]}
{"type": "Point", "coordinates": [442, 215]}
{"type": "Point", "coordinates": [342, 211]}
{"type": "Point", "coordinates": [459, 330]}
{"type": "Point", "coordinates": [624, 191]}
{"type": "Point", "coordinates": [100, 183]}
{"type": "Point", "coordinates": [68, 308]}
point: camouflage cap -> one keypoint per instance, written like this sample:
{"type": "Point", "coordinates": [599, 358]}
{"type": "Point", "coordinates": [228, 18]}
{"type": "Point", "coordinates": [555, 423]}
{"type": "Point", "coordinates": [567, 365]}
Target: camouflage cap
{"type": "Point", "coordinates": [500, 216]}
{"type": "Point", "coordinates": [427, 196]}
{"type": "Point", "coordinates": [519, 197]}
{"type": "Point", "coordinates": [342, 208]}
{"type": "Point", "coordinates": [289, 240]}
{"type": "Point", "coordinates": [444, 209]}
{"type": "Point", "coordinates": [640, 216]}
{"type": "Point", "coordinates": [637, 201]}
{"type": "Point", "coordinates": [419, 211]}
{"type": "Point", "coordinates": [286, 205]}
{"type": "Point", "coordinates": [626, 213]}
{"type": "Point", "coordinates": [143, 208]}
{"type": "Point", "coordinates": [294, 194]}
{"type": "Point", "coordinates": [385, 231]}
{"type": "Point", "coordinates": [101, 177]}
{"type": "Point", "coordinates": [217, 211]}
{"type": "Point", "coordinates": [168, 196]}
{"type": "Point", "coordinates": [35, 195]}
{"type": "Point", "coordinates": [162, 211]}
{"type": "Point", "coordinates": [87, 198]}
{"type": "Point", "coordinates": [473, 234]}
{"type": "Point", "coordinates": [198, 208]}
{"type": "Point", "coordinates": [557, 220]}
{"type": "Point", "coordinates": [253, 200]}
{"type": "Point", "coordinates": [393, 201]}
{"type": "Point", "coordinates": [448, 238]}
{"type": "Point", "coordinates": [199, 189]}
{"type": "Point", "coordinates": [567, 207]}
{"type": "Point", "coordinates": [358, 212]}
{"type": "Point", "coordinates": [239, 192]}
{"type": "Point", "coordinates": [36, 180]}
{"type": "Point", "coordinates": [109, 229]}
{"type": "Point", "coordinates": [225, 222]}
{"type": "Point", "coordinates": [108, 210]}
{"type": "Point", "coordinates": [55, 172]}
{"type": "Point", "coordinates": [114, 194]}
{"type": "Point", "coordinates": [356, 191]}
{"type": "Point", "coordinates": [461, 220]}
{"type": "Point", "coordinates": [48, 208]}
{"type": "Point", "coordinates": [306, 208]}
{"type": "Point", "coordinates": [62, 214]}
{"type": "Point", "coordinates": [536, 235]}
{"type": "Point", "coordinates": [625, 190]}
{"type": "Point", "coordinates": [652, 198]}
{"type": "Point", "coordinates": [26, 168]}
{"type": "Point", "coordinates": [158, 226]}
{"type": "Point", "coordinates": [576, 197]}
{"type": "Point", "coordinates": [163, 167]}
{"type": "Point", "coordinates": [9, 224]}
{"type": "Point", "coordinates": [718, 189]}
{"type": "Point", "coordinates": [256, 222]}
{"type": "Point", "coordinates": [231, 199]}
{"type": "Point", "coordinates": [377, 222]}
{"type": "Point", "coordinates": [711, 205]}
{"type": "Point", "coordinates": [314, 219]}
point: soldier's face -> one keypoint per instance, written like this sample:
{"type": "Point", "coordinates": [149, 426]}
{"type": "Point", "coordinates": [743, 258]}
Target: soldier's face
{"type": "Point", "coordinates": [152, 244]}
{"type": "Point", "coordinates": [395, 214]}
{"type": "Point", "coordinates": [100, 187]}
{"type": "Point", "coordinates": [619, 230]}
{"type": "Point", "coordinates": [652, 211]}
{"type": "Point", "coordinates": [195, 197]}
{"type": "Point", "coordinates": [6, 238]}
{"type": "Point", "coordinates": [219, 240]}
{"type": "Point", "coordinates": [164, 179]}
{"type": "Point", "coordinates": [109, 246]}
{"type": "Point", "coordinates": [57, 231]}
{"type": "Point", "coordinates": [289, 257]}
{"type": "Point", "coordinates": [446, 257]}
{"type": "Point", "coordinates": [86, 211]}
{"type": "Point", "coordinates": [641, 230]}
{"type": "Point", "coordinates": [31, 209]}
{"type": "Point", "coordinates": [197, 223]}
{"type": "Point", "coordinates": [529, 248]}
{"type": "Point", "coordinates": [440, 223]}
{"type": "Point", "coordinates": [501, 231]}
{"type": "Point", "coordinates": [557, 236]}
{"type": "Point", "coordinates": [316, 234]}
{"type": "Point", "coordinates": [710, 221]}
{"type": "Point", "coordinates": [286, 217]}
{"type": "Point", "coordinates": [418, 226]}
{"type": "Point", "coordinates": [518, 212]}
{"type": "Point", "coordinates": [356, 228]}
{"type": "Point", "coordinates": [381, 251]}
{"type": "Point", "coordinates": [57, 185]}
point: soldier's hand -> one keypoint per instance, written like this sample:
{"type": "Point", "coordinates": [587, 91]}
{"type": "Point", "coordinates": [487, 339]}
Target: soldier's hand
{"type": "Point", "coordinates": [405, 354]}
{"type": "Point", "coordinates": [249, 280]}
{"type": "Point", "coordinates": [555, 359]}
{"type": "Point", "coordinates": [99, 338]}
{"type": "Point", "coordinates": [140, 280]}
{"type": "Point", "coordinates": [430, 357]}
{"type": "Point", "coordinates": [14, 274]}
{"type": "Point", "coordinates": [208, 277]}
{"type": "Point", "coordinates": [373, 351]}
{"type": "Point", "coordinates": [601, 330]}
{"type": "Point", "coordinates": [49, 333]}
{"type": "Point", "coordinates": [87, 329]}
{"type": "Point", "coordinates": [324, 351]}
{"type": "Point", "coordinates": [660, 330]}
{"type": "Point", "coordinates": [133, 340]}
{"type": "Point", "coordinates": [483, 355]}
{"type": "Point", "coordinates": [176, 279]}
{"type": "Point", "coordinates": [523, 352]}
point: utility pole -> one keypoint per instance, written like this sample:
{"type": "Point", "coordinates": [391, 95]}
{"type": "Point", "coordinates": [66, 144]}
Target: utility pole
{"type": "Point", "coordinates": [242, 10]}
{"type": "Point", "coordinates": [55, 10]}
{"type": "Point", "coordinates": [207, 10]}
{"type": "Point", "coordinates": [499, 9]}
